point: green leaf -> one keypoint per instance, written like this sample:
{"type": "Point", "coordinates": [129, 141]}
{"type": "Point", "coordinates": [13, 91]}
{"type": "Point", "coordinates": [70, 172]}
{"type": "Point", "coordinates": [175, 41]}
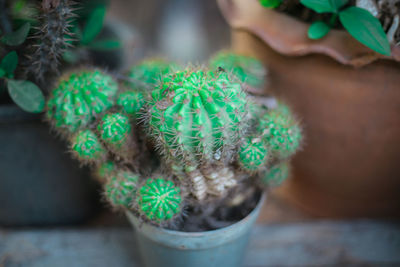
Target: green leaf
{"type": "Point", "coordinates": [2, 73]}
{"type": "Point", "coordinates": [26, 95]}
{"type": "Point", "coordinates": [104, 45]}
{"type": "Point", "coordinates": [9, 63]}
{"type": "Point", "coordinates": [270, 3]}
{"type": "Point", "coordinates": [318, 30]}
{"type": "Point", "coordinates": [17, 37]}
{"type": "Point", "coordinates": [322, 6]}
{"type": "Point", "coordinates": [93, 25]}
{"type": "Point", "coordinates": [367, 29]}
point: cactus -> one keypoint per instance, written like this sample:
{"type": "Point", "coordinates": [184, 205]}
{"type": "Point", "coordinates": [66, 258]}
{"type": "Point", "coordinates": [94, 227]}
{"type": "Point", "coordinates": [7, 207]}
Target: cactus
{"type": "Point", "coordinates": [52, 39]}
{"type": "Point", "coordinates": [121, 188]}
{"type": "Point", "coordinates": [159, 200]}
{"type": "Point", "coordinates": [87, 148]}
{"type": "Point", "coordinates": [79, 98]}
{"type": "Point", "coordinates": [281, 131]}
{"type": "Point", "coordinates": [253, 154]}
{"type": "Point", "coordinates": [276, 174]}
{"type": "Point", "coordinates": [131, 102]}
{"type": "Point", "coordinates": [146, 75]}
{"type": "Point", "coordinates": [197, 115]}
{"type": "Point", "coordinates": [248, 70]}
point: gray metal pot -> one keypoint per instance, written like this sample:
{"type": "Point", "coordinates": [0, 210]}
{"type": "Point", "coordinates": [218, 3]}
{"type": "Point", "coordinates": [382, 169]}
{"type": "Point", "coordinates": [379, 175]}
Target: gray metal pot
{"type": "Point", "coordinates": [39, 183]}
{"type": "Point", "coordinates": [217, 248]}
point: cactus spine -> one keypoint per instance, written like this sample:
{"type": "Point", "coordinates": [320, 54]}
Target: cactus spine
{"type": "Point", "coordinates": [79, 98]}
{"type": "Point", "coordinates": [159, 200]}
{"type": "Point", "coordinates": [252, 154]}
{"type": "Point", "coordinates": [131, 102]}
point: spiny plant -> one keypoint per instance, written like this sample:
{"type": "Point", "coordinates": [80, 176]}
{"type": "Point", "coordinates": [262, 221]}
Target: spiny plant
{"type": "Point", "coordinates": [276, 174]}
{"type": "Point", "coordinates": [52, 39]}
{"type": "Point", "coordinates": [202, 133]}
{"type": "Point", "coordinates": [247, 69]}
{"type": "Point", "coordinates": [79, 98]}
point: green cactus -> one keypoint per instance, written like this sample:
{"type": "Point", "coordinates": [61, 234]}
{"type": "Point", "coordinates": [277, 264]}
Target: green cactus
{"type": "Point", "coordinates": [105, 170]}
{"type": "Point", "coordinates": [249, 70]}
{"type": "Point", "coordinates": [79, 98]}
{"type": "Point", "coordinates": [159, 200]}
{"type": "Point", "coordinates": [197, 115]}
{"type": "Point", "coordinates": [146, 75]}
{"type": "Point", "coordinates": [86, 147]}
{"type": "Point", "coordinates": [252, 154]}
{"type": "Point", "coordinates": [281, 132]}
{"type": "Point", "coordinates": [276, 174]}
{"type": "Point", "coordinates": [121, 188]}
{"type": "Point", "coordinates": [115, 130]}
{"type": "Point", "coordinates": [131, 102]}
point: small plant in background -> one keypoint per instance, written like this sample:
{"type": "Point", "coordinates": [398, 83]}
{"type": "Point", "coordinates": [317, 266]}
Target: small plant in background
{"type": "Point", "coordinates": [359, 22]}
{"type": "Point", "coordinates": [176, 139]}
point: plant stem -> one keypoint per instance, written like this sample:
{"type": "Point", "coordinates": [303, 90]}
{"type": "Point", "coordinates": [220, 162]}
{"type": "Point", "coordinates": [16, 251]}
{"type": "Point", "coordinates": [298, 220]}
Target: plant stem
{"type": "Point", "coordinates": [333, 19]}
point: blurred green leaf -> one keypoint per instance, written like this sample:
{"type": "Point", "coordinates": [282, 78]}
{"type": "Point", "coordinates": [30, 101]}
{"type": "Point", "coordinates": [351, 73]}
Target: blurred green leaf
{"type": "Point", "coordinates": [322, 6]}
{"type": "Point", "coordinates": [367, 29]}
{"type": "Point", "coordinates": [26, 95]}
{"type": "Point", "coordinates": [9, 63]}
{"type": "Point", "coordinates": [2, 73]}
{"type": "Point", "coordinates": [17, 37]}
{"type": "Point", "coordinates": [270, 3]}
{"type": "Point", "coordinates": [104, 45]}
{"type": "Point", "coordinates": [318, 30]}
{"type": "Point", "coordinates": [70, 56]}
{"type": "Point", "coordinates": [93, 25]}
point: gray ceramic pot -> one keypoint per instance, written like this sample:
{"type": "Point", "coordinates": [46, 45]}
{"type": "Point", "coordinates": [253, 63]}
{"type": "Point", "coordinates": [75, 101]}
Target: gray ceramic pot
{"type": "Point", "coordinates": [217, 248]}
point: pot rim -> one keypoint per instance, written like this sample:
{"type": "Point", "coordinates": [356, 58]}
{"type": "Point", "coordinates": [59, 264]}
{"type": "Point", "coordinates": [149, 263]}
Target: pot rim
{"type": "Point", "coordinates": [288, 35]}
{"type": "Point", "coordinates": [197, 239]}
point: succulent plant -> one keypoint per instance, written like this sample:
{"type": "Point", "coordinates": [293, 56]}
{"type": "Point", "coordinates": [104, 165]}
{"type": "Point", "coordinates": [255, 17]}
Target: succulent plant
{"type": "Point", "coordinates": [159, 199]}
{"type": "Point", "coordinates": [253, 154]}
{"type": "Point", "coordinates": [105, 170]}
{"type": "Point", "coordinates": [87, 147]}
{"type": "Point", "coordinates": [248, 70]}
{"type": "Point", "coordinates": [276, 174]}
{"type": "Point", "coordinates": [281, 131]}
{"type": "Point", "coordinates": [131, 102]}
{"type": "Point", "coordinates": [121, 188]}
{"type": "Point", "coordinates": [116, 132]}
{"type": "Point", "coordinates": [79, 98]}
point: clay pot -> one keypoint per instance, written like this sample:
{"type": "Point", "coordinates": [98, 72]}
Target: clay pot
{"type": "Point", "coordinates": [348, 98]}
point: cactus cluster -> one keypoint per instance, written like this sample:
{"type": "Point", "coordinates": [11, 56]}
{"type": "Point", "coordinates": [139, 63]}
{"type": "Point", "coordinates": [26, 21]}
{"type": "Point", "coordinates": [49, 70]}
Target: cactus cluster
{"type": "Point", "coordinates": [199, 124]}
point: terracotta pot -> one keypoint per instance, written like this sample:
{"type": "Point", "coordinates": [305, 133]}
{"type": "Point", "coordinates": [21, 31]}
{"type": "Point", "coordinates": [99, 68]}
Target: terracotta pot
{"type": "Point", "coordinates": [348, 98]}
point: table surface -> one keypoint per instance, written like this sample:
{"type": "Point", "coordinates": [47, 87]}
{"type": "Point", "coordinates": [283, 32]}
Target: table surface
{"type": "Point", "coordinates": [320, 243]}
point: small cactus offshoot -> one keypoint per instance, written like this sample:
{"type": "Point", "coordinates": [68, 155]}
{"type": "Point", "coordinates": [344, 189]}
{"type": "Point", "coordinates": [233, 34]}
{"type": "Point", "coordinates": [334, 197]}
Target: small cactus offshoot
{"type": "Point", "coordinates": [131, 102]}
{"type": "Point", "coordinates": [79, 98]}
{"type": "Point", "coordinates": [104, 170]}
{"type": "Point", "coordinates": [248, 70]}
{"type": "Point", "coordinates": [87, 147]}
{"type": "Point", "coordinates": [276, 174]}
{"type": "Point", "coordinates": [121, 188]}
{"type": "Point", "coordinates": [253, 154]}
{"type": "Point", "coordinates": [281, 132]}
{"type": "Point", "coordinates": [159, 200]}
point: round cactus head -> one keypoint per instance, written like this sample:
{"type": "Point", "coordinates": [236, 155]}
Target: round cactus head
{"type": "Point", "coordinates": [121, 188]}
{"type": "Point", "coordinates": [131, 102]}
{"type": "Point", "coordinates": [147, 74]}
{"type": "Point", "coordinates": [197, 115]}
{"type": "Point", "coordinates": [275, 175]}
{"type": "Point", "coordinates": [253, 155]}
{"type": "Point", "coordinates": [79, 97]}
{"type": "Point", "coordinates": [159, 200]}
{"type": "Point", "coordinates": [87, 147]}
{"type": "Point", "coordinates": [247, 69]}
{"type": "Point", "coordinates": [281, 132]}
{"type": "Point", "coordinates": [115, 131]}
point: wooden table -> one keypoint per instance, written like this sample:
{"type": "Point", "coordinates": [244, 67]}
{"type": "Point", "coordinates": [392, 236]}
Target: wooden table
{"type": "Point", "coordinates": [318, 243]}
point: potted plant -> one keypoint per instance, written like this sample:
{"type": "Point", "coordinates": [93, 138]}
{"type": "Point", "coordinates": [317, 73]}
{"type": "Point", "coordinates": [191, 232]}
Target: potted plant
{"type": "Point", "coordinates": [336, 64]}
{"type": "Point", "coordinates": [183, 151]}
{"type": "Point", "coordinates": [33, 42]}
